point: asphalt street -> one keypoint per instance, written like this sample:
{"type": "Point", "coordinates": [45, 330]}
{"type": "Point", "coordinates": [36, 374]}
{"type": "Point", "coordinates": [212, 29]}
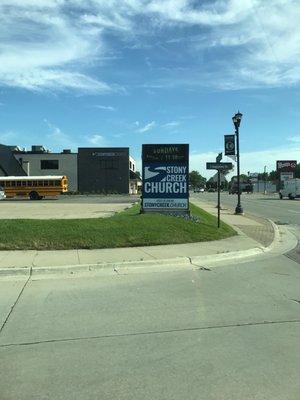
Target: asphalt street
{"type": "Point", "coordinates": [226, 332]}
{"type": "Point", "coordinates": [79, 199]}
{"type": "Point", "coordinates": [268, 206]}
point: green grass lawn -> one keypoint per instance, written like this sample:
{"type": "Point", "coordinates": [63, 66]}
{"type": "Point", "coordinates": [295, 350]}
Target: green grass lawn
{"type": "Point", "coordinates": [126, 229]}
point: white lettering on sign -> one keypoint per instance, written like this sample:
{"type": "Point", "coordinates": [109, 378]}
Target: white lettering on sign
{"type": "Point", "coordinates": [286, 164]}
{"type": "Point", "coordinates": [165, 187]}
{"type": "Point", "coordinates": [165, 203]}
{"type": "Point", "coordinates": [176, 170]}
{"type": "Point", "coordinates": [176, 178]}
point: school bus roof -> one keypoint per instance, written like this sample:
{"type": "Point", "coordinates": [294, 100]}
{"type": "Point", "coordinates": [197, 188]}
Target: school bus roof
{"type": "Point", "coordinates": [31, 178]}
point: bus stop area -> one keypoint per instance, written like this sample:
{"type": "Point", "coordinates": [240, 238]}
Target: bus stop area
{"type": "Point", "coordinates": [65, 207]}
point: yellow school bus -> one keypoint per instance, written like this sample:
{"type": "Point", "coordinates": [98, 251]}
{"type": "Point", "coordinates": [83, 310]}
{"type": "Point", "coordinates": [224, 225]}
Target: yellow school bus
{"type": "Point", "coordinates": [36, 187]}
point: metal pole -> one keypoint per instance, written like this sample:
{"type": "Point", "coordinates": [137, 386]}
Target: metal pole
{"type": "Point", "coordinates": [265, 180]}
{"type": "Point", "coordinates": [219, 189]}
{"type": "Point", "coordinates": [238, 209]}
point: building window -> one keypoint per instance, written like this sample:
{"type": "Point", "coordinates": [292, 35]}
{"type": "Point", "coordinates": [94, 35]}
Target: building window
{"type": "Point", "coordinates": [49, 164]}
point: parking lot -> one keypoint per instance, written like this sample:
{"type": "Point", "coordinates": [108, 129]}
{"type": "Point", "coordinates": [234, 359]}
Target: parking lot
{"type": "Point", "coordinates": [65, 207]}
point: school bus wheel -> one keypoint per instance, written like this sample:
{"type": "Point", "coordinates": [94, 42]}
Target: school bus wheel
{"type": "Point", "coordinates": [34, 196]}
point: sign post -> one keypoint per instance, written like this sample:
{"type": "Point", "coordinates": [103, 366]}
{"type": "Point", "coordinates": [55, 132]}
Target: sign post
{"type": "Point", "coordinates": [165, 169]}
{"type": "Point", "coordinates": [219, 197]}
{"type": "Point", "coordinates": [218, 160]}
{"type": "Point", "coordinates": [219, 166]}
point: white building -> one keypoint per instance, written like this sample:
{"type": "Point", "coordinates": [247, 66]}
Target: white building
{"type": "Point", "coordinates": [41, 162]}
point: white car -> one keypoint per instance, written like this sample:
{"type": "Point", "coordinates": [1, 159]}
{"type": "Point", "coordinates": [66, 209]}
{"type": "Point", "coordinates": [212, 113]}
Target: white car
{"type": "Point", "coordinates": [199, 190]}
{"type": "Point", "coordinates": [2, 193]}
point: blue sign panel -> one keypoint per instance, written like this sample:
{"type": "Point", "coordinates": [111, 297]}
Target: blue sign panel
{"type": "Point", "coordinates": [165, 177]}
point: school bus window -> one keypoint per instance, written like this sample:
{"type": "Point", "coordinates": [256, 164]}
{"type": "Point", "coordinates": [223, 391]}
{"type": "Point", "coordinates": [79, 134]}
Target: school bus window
{"type": "Point", "coordinates": [7, 183]}
{"type": "Point", "coordinates": [18, 183]}
{"type": "Point", "coordinates": [46, 183]}
{"type": "Point", "coordinates": [40, 183]}
{"type": "Point", "coordinates": [13, 183]}
{"type": "Point", "coordinates": [56, 183]}
{"type": "Point", "coordinates": [29, 183]}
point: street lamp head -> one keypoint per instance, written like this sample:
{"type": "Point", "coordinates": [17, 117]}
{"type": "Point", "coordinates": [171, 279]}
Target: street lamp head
{"type": "Point", "coordinates": [237, 119]}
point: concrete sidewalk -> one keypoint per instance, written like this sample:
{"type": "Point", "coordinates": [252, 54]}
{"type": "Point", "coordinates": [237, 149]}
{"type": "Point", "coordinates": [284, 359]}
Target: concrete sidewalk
{"type": "Point", "coordinates": [258, 229]}
{"type": "Point", "coordinates": [243, 242]}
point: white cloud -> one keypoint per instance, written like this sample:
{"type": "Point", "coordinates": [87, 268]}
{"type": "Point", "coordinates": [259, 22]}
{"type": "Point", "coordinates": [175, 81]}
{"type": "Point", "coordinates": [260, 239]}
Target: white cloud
{"type": "Point", "coordinates": [97, 140]}
{"type": "Point", "coordinates": [39, 79]}
{"type": "Point", "coordinates": [171, 124]}
{"type": "Point", "coordinates": [147, 127]}
{"type": "Point", "coordinates": [294, 139]}
{"type": "Point", "coordinates": [51, 44]}
{"type": "Point", "coordinates": [58, 139]}
{"type": "Point", "coordinates": [7, 136]}
{"type": "Point", "coordinates": [107, 108]}
{"type": "Point", "coordinates": [44, 47]}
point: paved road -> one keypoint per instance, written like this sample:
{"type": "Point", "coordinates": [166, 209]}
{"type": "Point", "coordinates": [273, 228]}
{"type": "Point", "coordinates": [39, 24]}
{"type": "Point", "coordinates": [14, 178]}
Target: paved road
{"type": "Point", "coordinates": [76, 206]}
{"type": "Point", "coordinates": [270, 206]}
{"type": "Point", "coordinates": [78, 199]}
{"type": "Point", "coordinates": [230, 333]}
{"type": "Point", "coordinates": [224, 333]}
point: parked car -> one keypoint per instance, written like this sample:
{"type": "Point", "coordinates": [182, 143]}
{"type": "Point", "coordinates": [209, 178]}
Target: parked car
{"type": "Point", "coordinates": [244, 187]}
{"type": "Point", "coordinates": [210, 190]}
{"type": "Point", "coordinates": [2, 193]}
{"type": "Point", "coordinates": [199, 190]}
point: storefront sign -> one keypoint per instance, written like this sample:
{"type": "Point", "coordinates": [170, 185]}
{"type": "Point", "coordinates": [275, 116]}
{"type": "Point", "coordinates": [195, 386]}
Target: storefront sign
{"type": "Point", "coordinates": [286, 165]}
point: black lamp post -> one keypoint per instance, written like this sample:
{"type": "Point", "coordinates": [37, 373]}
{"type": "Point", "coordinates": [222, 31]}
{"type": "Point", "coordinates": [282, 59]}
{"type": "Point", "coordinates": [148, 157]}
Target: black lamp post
{"type": "Point", "coordinates": [237, 121]}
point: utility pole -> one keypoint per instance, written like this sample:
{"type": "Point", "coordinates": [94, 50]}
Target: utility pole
{"type": "Point", "coordinates": [237, 121]}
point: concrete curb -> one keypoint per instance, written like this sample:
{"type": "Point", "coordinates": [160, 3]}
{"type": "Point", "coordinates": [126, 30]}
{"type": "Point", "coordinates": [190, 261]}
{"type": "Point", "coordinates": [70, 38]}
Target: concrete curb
{"type": "Point", "coordinates": [276, 236]}
{"type": "Point", "coordinates": [121, 268]}
{"type": "Point", "coordinates": [124, 267]}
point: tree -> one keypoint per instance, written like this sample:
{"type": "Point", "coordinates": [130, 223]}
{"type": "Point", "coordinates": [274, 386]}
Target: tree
{"type": "Point", "coordinates": [263, 177]}
{"type": "Point", "coordinates": [196, 180]}
{"type": "Point", "coordinates": [243, 178]}
{"type": "Point", "coordinates": [273, 175]}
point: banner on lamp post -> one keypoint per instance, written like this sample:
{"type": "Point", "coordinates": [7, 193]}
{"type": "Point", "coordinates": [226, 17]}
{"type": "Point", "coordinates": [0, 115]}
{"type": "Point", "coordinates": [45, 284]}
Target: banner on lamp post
{"type": "Point", "coordinates": [229, 145]}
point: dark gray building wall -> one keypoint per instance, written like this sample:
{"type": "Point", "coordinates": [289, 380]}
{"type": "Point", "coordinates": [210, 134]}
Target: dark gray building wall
{"type": "Point", "coordinates": [103, 170]}
{"type": "Point", "coordinates": [8, 164]}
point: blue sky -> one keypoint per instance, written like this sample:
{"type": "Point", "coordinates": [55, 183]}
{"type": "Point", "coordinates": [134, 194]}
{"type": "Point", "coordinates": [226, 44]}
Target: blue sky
{"type": "Point", "coordinates": [123, 73]}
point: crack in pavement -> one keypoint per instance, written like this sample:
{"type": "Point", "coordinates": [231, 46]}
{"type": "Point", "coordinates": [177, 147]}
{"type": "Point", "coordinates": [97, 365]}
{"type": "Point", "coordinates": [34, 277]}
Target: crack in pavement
{"type": "Point", "coordinates": [179, 330]}
{"type": "Point", "coordinates": [16, 301]}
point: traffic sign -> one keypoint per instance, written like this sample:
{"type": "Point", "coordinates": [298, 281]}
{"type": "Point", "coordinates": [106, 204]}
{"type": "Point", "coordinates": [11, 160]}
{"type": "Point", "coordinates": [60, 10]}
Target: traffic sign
{"type": "Point", "coordinates": [219, 166]}
{"type": "Point", "coordinates": [229, 145]}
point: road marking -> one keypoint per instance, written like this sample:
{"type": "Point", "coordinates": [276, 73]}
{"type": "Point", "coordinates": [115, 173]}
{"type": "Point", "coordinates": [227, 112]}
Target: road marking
{"type": "Point", "coordinates": [293, 211]}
